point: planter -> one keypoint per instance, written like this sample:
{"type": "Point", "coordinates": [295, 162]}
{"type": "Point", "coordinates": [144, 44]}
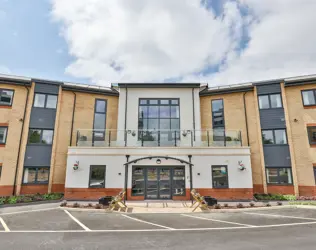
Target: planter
{"type": "Point", "coordinates": [210, 200]}
{"type": "Point", "coordinates": [105, 200]}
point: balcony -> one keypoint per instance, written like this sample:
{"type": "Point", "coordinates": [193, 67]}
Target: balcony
{"type": "Point", "coordinates": [158, 138]}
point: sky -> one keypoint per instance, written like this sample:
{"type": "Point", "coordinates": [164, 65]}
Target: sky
{"type": "Point", "coordinates": [218, 42]}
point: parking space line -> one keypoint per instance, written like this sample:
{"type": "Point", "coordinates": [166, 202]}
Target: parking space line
{"type": "Point", "coordinates": [29, 211]}
{"type": "Point", "coordinates": [284, 216]}
{"type": "Point", "coordinates": [222, 221]}
{"type": "Point", "coordinates": [77, 221]}
{"type": "Point", "coordinates": [147, 222]}
{"type": "Point", "coordinates": [6, 228]}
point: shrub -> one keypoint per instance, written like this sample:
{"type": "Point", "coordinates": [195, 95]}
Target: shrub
{"type": "Point", "coordinates": [217, 206]}
{"type": "Point", "coordinates": [226, 205]}
{"type": "Point", "coordinates": [240, 205]}
{"type": "Point", "coordinates": [289, 197]}
{"type": "Point", "coordinates": [279, 203]}
{"type": "Point", "coordinates": [76, 205]}
{"type": "Point", "coordinates": [98, 206]}
{"type": "Point", "coordinates": [2, 200]}
{"type": "Point", "coordinates": [251, 204]}
{"type": "Point", "coordinates": [268, 205]}
{"type": "Point", "coordinates": [63, 204]}
{"type": "Point", "coordinates": [12, 200]}
{"type": "Point", "coordinates": [90, 205]}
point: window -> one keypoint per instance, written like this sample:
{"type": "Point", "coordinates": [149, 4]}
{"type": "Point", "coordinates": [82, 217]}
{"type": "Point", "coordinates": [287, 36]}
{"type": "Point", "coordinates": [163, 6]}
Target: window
{"type": "Point", "coordinates": [279, 175]}
{"type": "Point", "coordinates": [159, 114]}
{"type": "Point", "coordinates": [313, 168]}
{"type": "Point", "coordinates": [6, 97]}
{"type": "Point", "coordinates": [45, 101]}
{"type": "Point", "coordinates": [275, 136]}
{"type": "Point", "coordinates": [41, 136]}
{"type": "Point", "coordinates": [97, 176]}
{"type": "Point", "coordinates": [311, 131]}
{"type": "Point", "coordinates": [309, 97]}
{"type": "Point", "coordinates": [36, 175]}
{"type": "Point", "coordinates": [270, 101]}
{"type": "Point", "coordinates": [3, 134]}
{"type": "Point", "coordinates": [138, 181]}
{"type": "Point", "coordinates": [218, 113]}
{"type": "Point", "coordinates": [178, 181]}
{"type": "Point", "coordinates": [219, 177]}
{"type": "Point", "coordinates": [0, 170]}
{"type": "Point", "coordinates": [99, 120]}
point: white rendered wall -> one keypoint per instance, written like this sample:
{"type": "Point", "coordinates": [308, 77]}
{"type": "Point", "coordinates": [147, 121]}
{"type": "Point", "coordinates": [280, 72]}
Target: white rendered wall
{"type": "Point", "coordinates": [202, 158]}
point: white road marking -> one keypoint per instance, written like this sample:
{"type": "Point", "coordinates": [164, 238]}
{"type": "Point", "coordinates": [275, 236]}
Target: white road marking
{"type": "Point", "coordinates": [147, 222]}
{"type": "Point", "coordinates": [165, 230]}
{"type": "Point", "coordinates": [6, 229]}
{"type": "Point", "coordinates": [78, 222]}
{"type": "Point", "coordinates": [29, 211]}
{"type": "Point", "coordinates": [222, 221]}
{"type": "Point", "coordinates": [282, 216]}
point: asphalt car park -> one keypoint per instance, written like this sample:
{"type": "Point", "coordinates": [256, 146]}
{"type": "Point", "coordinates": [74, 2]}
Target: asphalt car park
{"type": "Point", "coordinates": [56, 228]}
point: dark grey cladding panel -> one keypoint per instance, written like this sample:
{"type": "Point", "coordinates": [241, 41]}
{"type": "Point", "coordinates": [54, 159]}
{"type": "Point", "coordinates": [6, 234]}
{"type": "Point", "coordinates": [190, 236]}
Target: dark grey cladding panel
{"type": "Point", "coordinates": [268, 89]}
{"type": "Point", "coordinates": [272, 118]}
{"type": "Point", "coordinates": [43, 118]}
{"type": "Point", "coordinates": [277, 156]}
{"type": "Point", "coordinates": [37, 155]}
{"type": "Point", "coordinates": [46, 88]}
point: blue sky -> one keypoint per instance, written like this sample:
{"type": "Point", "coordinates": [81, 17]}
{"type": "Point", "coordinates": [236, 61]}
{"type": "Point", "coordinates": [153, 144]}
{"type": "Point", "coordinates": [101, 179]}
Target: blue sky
{"type": "Point", "coordinates": [215, 41]}
{"type": "Point", "coordinates": [30, 41]}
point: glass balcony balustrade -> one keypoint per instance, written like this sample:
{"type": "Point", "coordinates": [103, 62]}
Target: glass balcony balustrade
{"type": "Point", "coordinates": [158, 138]}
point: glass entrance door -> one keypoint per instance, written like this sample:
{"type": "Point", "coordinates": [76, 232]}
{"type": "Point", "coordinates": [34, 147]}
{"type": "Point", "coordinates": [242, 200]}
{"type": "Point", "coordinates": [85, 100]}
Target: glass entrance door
{"type": "Point", "coordinates": [158, 184]}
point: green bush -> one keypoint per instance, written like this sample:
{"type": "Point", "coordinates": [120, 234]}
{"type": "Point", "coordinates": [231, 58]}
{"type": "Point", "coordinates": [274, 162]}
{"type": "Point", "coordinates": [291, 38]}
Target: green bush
{"type": "Point", "coordinates": [2, 200]}
{"type": "Point", "coordinates": [275, 197]}
{"type": "Point", "coordinates": [30, 198]}
{"type": "Point", "coordinates": [12, 200]}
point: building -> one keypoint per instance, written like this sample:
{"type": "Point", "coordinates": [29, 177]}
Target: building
{"type": "Point", "coordinates": [157, 141]}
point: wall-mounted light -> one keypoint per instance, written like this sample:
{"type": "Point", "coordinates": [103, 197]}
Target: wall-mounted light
{"type": "Point", "coordinates": [198, 173]}
{"type": "Point", "coordinates": [158, 161]}
{"type": "Point", "coordinates": [119, 173]}
{"type": "Point", "coordinates": [295, 120]}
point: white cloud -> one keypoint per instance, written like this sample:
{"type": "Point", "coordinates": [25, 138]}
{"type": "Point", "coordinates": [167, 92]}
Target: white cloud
{"type": "Point", "coordinates": [150, 40]}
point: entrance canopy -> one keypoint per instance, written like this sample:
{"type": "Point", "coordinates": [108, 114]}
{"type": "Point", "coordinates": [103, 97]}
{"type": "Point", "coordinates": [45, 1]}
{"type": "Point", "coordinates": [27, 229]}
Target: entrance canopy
{"type": "Point", "coordinates": [158, 157]}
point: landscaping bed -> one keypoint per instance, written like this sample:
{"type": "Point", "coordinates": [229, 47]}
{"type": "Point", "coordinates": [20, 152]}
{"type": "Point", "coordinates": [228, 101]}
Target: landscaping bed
{"type": "Point", "coordinates": [281, 197]}
{"type": "Point", "coordinates": [29, 198]}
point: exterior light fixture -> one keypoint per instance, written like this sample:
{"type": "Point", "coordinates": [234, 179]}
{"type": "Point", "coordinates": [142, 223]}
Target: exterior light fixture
{"type": "Point", "coordinates": [158, 161]}
{"type": "Point", "coordinates": [241, 166]}
{"type": "Point", "coordinates": [119, 173]}
{"type": "Point", "coordinates": [198, 173]}
{"type": "Point", "coordinates": [133, 133]}
{"type": "Point", "coordinates": [76, 165]}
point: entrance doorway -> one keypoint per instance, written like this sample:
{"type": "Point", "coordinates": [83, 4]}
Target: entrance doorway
{"type": "Point", "coordinates": [160, 183]}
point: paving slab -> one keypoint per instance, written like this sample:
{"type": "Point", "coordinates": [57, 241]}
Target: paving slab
{"type": "Point", "coordinates": [54, 220]}
{"type": "Point", "coordinates": [179, 221]}
{"type": "Point", "coordinates": [110, 221]}
{"type": "Point", "coordinates": [251, 219]}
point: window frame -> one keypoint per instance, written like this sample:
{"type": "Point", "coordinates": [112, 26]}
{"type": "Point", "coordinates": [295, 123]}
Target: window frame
{"type": "Point", "coordinates": [314, 170]}
{"type": "Point", "coordinates": [90, 172]}
{"type": "Point", "coordinates": [223, 116]}
{"type": "Point", "coordinates": [36, 175]}
{"type": "Point", "coordinates": [269, 98]}
{"type": "Point", "coordinates": [6, 135]}
{"type": "Point", "coordinates": [227, 178]}
{"type": "Point", "coordinates": [306, 90]}
{"type": "Point", "coordinates": [313, 144]}
{"type": "Point", "coordinates": [273, 134]}
{"type": "Point", "coordinates": [279, 184]}
{"type": "Point", "coordinates": [0, 170]}
{"type": "Point", "coordinates": [159, 104]}
{"type": "Point", "coordinates": [41, 137]}
{"type": "Point", "coordinates": [103, 113]}
{"type": "Point", "coordinates": [11, 103]}
{"type": "Point", "coordinates": [45, 103]}
{"type": "Point", "coordinates": [144, 182]}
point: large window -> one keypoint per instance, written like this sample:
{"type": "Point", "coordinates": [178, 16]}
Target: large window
{"type": "Point", "coordinates": [279, 176]}
{"type": "Point", "coordinates": [36, 175]}
{"type": "Point", "coordinates": [99, 120]}
{"type": "Point", "coordinates": [45, 101]}
{"type": "Point", "coordinates": [3, 135]}
{"type": "Point", "coordinates": [311, 131]}
{"type": "Point", "coordinates": [97, 176]}
{"type": "Point", "coordinates": [161, 115]}
{"type": "Point", "coordinates": [274, 136]}
{"type": "Point", "coordinates": [178, 181]}
{"type": "Point", "coordinates": [309, 97]}
{"type": "Point", "coordinates": [270, 101]}
{"type": "Point", "coordinates": [218, 113]}
{"type": "Point", "coordinates": [219, 177]}
{"type": "Point", "coordinates": [138, 181]}
{"type": "Point", "coordinates": [6, 97]}
{"type": "Point", "coordinates": [41, 136]}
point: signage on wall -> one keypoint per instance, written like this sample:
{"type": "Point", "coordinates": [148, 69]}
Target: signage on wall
{"type": "Point", "coordinates": [241, 166]}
